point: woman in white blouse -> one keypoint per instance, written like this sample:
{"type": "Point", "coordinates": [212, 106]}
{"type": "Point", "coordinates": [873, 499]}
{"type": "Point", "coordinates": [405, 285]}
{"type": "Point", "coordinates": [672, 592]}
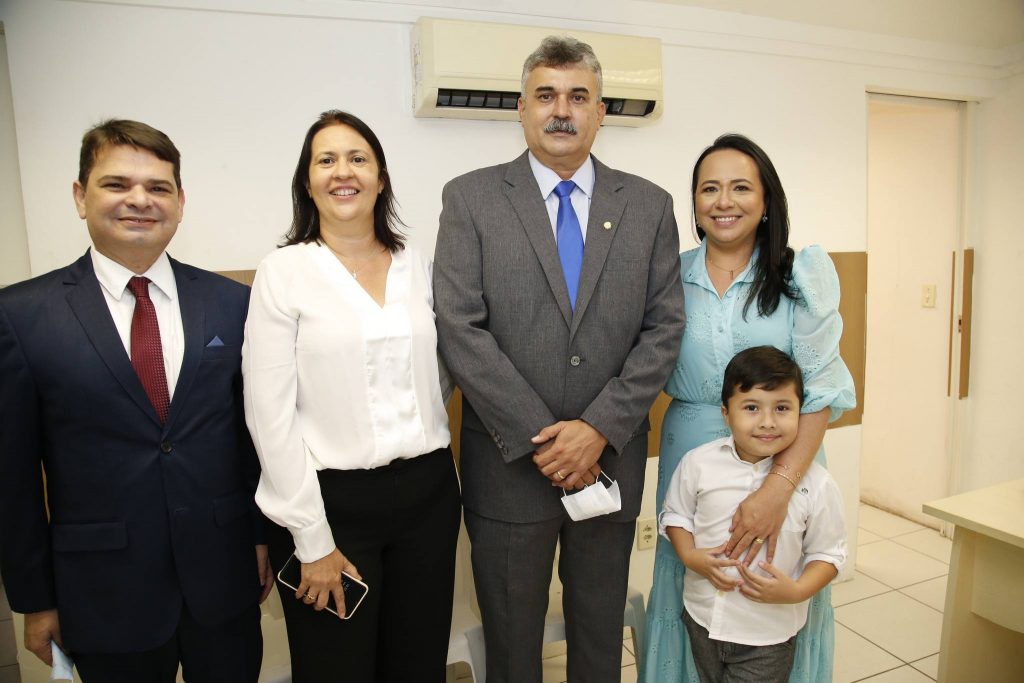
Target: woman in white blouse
{"type": "Point", "coordinates": [343, 400]}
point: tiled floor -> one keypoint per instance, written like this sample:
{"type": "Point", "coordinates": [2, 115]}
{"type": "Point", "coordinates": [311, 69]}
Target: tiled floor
{"type": "Point", "coordinates": [888, 618]}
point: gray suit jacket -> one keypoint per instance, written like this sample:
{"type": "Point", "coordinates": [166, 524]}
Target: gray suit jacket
{"type": "Point", "coordinates": [523, 359]}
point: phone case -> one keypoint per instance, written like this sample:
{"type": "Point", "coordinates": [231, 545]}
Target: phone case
{"type": "Point", "coordinates": [355, 590]}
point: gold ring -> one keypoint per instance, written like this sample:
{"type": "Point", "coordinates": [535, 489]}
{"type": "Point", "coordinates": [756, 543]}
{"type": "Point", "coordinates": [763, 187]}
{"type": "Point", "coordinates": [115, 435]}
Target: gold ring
{"type": "Point", "coordinates": [758, 540]}
{"type": "Point", "coordinates": [560, 475]}
{"type": "Point", "coordinates": [310, 597]}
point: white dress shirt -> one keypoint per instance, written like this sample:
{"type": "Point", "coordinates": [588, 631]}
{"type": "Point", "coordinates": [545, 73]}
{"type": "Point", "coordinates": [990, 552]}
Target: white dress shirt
{"type": "Point", "coordinates": [163, 291]}
{"type": "Point", "coordinates": [707, 487]}
{"type": "Point", "coordinates": [335, 381]}
{"type": "Point", "coordinates": [581, 195]}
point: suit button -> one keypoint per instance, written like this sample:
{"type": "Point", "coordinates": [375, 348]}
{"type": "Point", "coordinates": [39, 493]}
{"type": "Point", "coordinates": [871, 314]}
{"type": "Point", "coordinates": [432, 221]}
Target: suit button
{"type": "Point", "coordinates": [575, 361]}
{"type": "Point", "coordinates": [165, 447]}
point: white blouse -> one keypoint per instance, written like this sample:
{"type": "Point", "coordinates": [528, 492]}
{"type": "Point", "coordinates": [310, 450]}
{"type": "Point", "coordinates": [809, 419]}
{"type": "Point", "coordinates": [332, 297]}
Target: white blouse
{"type": "Point", "coordinates": [335, 381]}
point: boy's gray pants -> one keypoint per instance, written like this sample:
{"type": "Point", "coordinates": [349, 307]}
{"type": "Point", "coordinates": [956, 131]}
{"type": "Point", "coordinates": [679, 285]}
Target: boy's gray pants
{"type": "Point", "coordinates": [721, 662]}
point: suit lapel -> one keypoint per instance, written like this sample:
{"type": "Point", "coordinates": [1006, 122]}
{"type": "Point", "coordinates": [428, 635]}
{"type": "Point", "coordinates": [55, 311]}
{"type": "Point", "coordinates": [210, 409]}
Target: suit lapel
{"type": "Point", "coordinates": [606, 208]}
{"type": "Point", "coordinates": [193, 323]}
{"type": "Point", "coordinates": [522, 191]}
{"type": "Point", "coordinates": [87, 303]}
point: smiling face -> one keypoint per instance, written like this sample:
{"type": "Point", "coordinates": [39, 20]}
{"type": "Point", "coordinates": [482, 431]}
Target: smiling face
{"type": "Point", "coordinates": [344, 179]}
{"type": "Point", "coordinates": [131, 205]}
{"type": "Point", "coordinates": [561, 111]}
{"type": "Point", "coordinates": [763, 422]}
{"type": "Point", "coordinates": [729, 200]}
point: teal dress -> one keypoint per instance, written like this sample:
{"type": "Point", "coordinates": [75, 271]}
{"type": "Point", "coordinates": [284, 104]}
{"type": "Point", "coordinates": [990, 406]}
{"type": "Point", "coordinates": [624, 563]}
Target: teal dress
{"type": "Point", "coordinates": [808, 329]}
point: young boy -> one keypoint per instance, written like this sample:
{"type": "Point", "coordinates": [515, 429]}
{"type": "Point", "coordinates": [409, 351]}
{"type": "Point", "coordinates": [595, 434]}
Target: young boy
{"type": "Point", "coordinates": [743, 621]}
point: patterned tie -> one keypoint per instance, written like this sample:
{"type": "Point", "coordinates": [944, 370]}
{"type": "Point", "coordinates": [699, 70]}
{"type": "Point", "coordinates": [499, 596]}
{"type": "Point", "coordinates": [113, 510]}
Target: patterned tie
{"type": "Point", "coordinates": [147, 353]}
{"type": "Point", "coordinates": [570, 239]}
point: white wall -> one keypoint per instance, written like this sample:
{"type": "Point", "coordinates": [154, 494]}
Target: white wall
{"type": "Point", "coordinates": [236, 84]}
{"type": "Point", "coordinates": [993, 453]}
{"type": "Point", "coordinates": [236, 91]}
{"type": "Point", "coordinates": [14, 265]}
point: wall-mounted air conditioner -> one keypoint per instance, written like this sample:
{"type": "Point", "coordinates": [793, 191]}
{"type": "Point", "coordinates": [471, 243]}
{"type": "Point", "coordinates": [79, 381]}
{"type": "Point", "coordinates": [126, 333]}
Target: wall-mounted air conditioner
{"type": "Point", "coordinates": [472, 70]}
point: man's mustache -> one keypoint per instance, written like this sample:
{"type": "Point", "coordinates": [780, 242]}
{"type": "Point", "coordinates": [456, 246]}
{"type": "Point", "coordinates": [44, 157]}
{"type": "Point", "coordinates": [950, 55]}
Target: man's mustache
{"type": "Point", "coordinates": [560, 126]}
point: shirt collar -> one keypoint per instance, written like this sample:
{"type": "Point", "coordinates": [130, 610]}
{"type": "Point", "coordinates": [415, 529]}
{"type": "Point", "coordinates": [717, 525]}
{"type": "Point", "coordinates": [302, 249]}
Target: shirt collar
{"type": "Point", "coordinates": [114, 277]}
{"type": "Point", "coordinates": [729, 445]}
{"type": "Point", "coordinates": [547, 179]}
{"type": "Point", "coordinates": [697, 273]}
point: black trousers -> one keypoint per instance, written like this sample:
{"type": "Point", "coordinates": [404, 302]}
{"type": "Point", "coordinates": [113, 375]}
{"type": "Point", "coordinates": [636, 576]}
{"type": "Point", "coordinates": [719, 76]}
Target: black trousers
{"type": "Point", "coordinates": [399, 525]}
{"type": "Point", "coordinates": [231, 652]}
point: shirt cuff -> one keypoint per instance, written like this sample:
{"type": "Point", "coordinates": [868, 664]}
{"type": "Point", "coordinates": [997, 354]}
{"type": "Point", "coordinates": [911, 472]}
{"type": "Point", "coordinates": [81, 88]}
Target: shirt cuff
{"type": "Point", "coordinates": [834, 560]}
{"type": "Point", "coordinates": [668, 518]}
{"type": "Point", "coordinates": [313, 542]}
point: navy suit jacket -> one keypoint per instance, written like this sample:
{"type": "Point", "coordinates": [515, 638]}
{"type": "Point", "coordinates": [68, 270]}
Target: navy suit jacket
{"type": "Point", "coordinates": [144, 517]}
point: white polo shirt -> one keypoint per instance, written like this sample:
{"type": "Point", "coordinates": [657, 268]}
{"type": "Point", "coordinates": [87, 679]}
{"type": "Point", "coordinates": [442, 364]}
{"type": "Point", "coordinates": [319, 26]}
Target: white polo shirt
{"type": "Point", "coordinates": [707, 487]}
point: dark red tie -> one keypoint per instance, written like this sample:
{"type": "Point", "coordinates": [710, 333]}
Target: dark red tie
{"type": "Point", "coordinates": [147, 353]}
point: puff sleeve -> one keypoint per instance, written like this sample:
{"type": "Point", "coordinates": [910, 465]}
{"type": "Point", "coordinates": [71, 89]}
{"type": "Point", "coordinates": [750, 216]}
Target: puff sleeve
{"type": "Point", "coordinates": [817, 328]}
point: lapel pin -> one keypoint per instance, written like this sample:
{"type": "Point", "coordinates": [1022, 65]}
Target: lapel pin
{"type": "Point", "coordinates": [607, 225]}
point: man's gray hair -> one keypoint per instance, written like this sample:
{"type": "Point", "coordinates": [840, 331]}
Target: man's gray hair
{"type": "Point", "coordinates": [560, 51]}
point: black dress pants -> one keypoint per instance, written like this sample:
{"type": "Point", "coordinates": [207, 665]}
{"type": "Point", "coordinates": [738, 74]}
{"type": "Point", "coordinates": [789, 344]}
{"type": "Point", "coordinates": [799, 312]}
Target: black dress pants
{"type": "Point", "coordinates": [399, 525]}
{"type": "Point", "coordinates": [231, 652]}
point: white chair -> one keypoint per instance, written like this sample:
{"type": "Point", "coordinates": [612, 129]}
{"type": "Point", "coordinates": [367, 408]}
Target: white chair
{"type": "Point", "coordinates": [276, 661]}
{"type": "Point", "coordinates": [467, 640]}
{"type": "Point", "coordinates": [634, 617]}
{"type": "Point", "coordinates": [467, 645]}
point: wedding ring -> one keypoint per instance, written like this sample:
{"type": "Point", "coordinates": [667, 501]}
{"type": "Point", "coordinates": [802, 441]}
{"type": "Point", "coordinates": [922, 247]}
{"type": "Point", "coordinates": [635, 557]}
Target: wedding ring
{"type": "Point", "coordinates": [758, 540]}
{"type": "Point", "coordinates": [560, 475]}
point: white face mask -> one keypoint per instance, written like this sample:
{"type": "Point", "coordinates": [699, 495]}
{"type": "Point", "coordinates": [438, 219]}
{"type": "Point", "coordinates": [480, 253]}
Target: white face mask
{"type": "Point", "coordinates": [593, 501]}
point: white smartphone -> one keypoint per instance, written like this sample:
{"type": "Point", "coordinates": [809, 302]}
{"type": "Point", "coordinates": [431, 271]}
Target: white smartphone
{"type": "Point", "coordinates": [355, 590]}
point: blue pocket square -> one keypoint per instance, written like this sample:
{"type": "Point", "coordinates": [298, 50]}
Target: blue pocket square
{"type": "Point", "coordinates": [215, 342]}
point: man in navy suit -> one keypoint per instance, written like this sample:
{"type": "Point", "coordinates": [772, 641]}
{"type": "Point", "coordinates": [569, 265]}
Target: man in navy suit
{"type": "Point", "coordinates": [128, 530]}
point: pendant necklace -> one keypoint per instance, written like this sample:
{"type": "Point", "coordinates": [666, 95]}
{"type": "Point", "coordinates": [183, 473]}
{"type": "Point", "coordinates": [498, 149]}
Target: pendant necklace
{"type": "Point", "coordinates": [731, 271]}
{"type": "Point", "coordinates": [354, 272]}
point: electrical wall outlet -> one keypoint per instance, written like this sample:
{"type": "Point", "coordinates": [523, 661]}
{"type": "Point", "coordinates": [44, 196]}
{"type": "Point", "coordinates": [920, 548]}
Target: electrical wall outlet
{"type": "Point", "coordinates": [928, 296]}
{"type": "Point", "coordinates": [646, 533]}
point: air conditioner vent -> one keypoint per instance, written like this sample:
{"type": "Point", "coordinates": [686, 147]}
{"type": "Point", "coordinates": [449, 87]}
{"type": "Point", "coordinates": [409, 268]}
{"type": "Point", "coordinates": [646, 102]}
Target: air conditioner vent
{"type": "Point", "coordinates": [472, 70]}
{"type": "Point", "coordinates": [479, 99]}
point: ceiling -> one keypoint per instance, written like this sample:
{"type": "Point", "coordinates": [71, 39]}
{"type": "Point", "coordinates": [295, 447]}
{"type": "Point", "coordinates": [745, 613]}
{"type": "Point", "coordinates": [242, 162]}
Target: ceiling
{"type": "Point", "coordinates": [979, 23]}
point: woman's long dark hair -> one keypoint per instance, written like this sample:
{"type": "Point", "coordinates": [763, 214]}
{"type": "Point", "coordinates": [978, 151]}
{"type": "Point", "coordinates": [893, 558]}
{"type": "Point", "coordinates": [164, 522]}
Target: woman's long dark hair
{"type": "Point", "coordinates": [773, 270]}
{"type": "Point", "coordinates": [306, 217]}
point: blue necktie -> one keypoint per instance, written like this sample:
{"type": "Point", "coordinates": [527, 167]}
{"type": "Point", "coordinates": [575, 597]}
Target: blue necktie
{"type": "Point", "coordinates": [570, 239]}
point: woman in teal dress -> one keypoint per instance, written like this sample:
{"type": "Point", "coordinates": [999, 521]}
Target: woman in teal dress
{"type": "Point", "coordinates": [745, 287]}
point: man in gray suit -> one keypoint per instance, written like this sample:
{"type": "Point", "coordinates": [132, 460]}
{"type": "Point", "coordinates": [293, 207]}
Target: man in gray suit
{"type": "Point", "coordinates": [559, 312]}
